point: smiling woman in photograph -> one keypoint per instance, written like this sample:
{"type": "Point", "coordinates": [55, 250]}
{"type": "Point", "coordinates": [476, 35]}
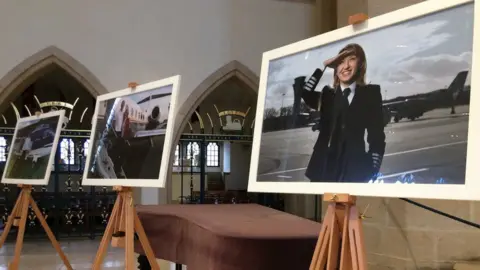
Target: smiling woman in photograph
{"type": "Point", "coordinates": [348, 110]}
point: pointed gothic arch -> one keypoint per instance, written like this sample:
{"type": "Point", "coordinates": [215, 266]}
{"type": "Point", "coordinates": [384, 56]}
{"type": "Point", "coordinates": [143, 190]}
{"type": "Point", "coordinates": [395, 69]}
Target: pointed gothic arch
{"type": "Point", "coordinates": [200, 93]}
{"type": "Point", "coordinates": [212, 82]}
{"type": "Point", "coordinates": [38, 64]}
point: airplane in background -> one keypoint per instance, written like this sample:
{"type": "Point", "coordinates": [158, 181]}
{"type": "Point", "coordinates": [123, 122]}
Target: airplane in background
{"type": "Point", "coordinates": [413, 107]}
{"type": "Point", "coordinates": [37, 144]}
{"type": "Point", "coordinates": [138, 116]}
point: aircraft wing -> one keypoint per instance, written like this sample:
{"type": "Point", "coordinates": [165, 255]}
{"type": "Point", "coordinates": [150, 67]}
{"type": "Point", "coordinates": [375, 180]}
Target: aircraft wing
{"type": "Point", "coordinates": [394, 102]}
{"type": "Point", "coordinates": [40, 152]}
{"type": "Point", "coordinates": [148, 133]}
{"type": "Point", "coordinates": [153, 97]}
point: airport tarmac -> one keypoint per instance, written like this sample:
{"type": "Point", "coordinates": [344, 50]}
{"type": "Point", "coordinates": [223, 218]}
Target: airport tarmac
{"type": "Point", "coordinates": [428, 149]}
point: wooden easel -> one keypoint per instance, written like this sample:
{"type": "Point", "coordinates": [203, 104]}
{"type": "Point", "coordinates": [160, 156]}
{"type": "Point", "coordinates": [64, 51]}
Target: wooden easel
{"type": "Point", "coordinates": [121, 228]}
{"type": "Point", "coordinates": [18, 217]}
{"type": "Point", "coordinates": [341, 225]}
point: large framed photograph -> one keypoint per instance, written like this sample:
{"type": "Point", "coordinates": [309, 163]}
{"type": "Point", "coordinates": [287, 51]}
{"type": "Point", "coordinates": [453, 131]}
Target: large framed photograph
{"type": "Point", "coordinates": [384, 108]}
{"type": "Point", "coordinates": [131, 136]}
{"type": "Point", "coordinates": [32, 152]}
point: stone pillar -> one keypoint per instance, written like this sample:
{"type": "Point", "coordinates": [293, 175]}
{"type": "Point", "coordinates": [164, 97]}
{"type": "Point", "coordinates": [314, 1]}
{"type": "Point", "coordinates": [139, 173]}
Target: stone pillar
{"type": "Point", "coordinates": [326, 16]}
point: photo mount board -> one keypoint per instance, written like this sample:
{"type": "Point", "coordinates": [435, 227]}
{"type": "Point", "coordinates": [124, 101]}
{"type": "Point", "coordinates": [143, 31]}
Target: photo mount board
{"type": "Point", "coordinates": [467, 191]}
{"type": "Point", "coordinates": [159, 182]}
{"type": "Point", "coordinates": [41, 181]}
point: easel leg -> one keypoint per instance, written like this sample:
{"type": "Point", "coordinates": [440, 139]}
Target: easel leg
{"type": "Point", "coordinates": [357, 247]}
{"type": "Point", "coordinates": [319, 259]}
{"type": "Point", "coordinates": [21, 230]}
{"type": "Point", "coordinates": [346, 257]}
{"type": "Point", "coordinates": [10, 219]}
{"type": "Point", "coordinates": [334, 228]}
{"type": "Point", "coordinates": [49, 232]}
{"type": "Point", "coordinates": [107, 235]}
{"type": "Point", "coordinates": [342, 222]}
{"type": "Point", "coordinates": [124, 218]}
{"type": "Point", "coordinates": [145, 243]}
{"type": "Point", "coordinates": [129, 232]}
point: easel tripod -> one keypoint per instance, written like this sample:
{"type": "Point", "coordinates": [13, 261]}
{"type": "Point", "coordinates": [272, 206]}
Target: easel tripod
{"type": "Point", "coordinates": [18, 217]}
{"type": "Point", "coordinates": [121, 227]}
{"type": "Point", "coordinates": [341, 233]}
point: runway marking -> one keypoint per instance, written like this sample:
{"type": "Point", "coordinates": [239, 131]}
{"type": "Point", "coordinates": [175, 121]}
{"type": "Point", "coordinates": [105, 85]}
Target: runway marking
{"type": "Point", "coordinates": [424, 148]}
{"type": "Point", "coordinates": [286, 171]}
{"type": "Point", "coordinates": [402, 173]}
{"type": "Point", "coordinates": [386, 155]}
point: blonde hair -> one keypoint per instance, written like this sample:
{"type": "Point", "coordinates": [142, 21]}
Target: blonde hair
{"type": "Point", "coordinates": [358, 51]}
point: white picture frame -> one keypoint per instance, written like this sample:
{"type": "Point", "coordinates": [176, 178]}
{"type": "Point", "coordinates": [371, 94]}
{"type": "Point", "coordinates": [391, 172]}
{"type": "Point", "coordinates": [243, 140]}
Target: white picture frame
{"type": "Point", "coordinates": [38, 153]}
{"type": "Point", "coordinates": [172, 83]}
{"type": "Point", "coordinates": [467, 191]}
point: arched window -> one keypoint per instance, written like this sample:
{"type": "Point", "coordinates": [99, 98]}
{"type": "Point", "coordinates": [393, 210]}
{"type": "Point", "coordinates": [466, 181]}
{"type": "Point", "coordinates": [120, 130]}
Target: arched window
{"type": "Point", "coordinates": [85, 147]}
{"type": "Point", "coordinates": [3, 149]}
{"type": "Point", "coordinates": [176, 162]}
{"type": "Point", "coordinates": [67, 151]}
{"type": "Point", "coordinates": [193, 152]}
{"type": "Point", "coordinates": [213, 154]}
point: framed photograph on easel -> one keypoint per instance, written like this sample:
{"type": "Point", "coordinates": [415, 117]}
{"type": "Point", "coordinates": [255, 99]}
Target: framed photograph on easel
{"type": "Point", "coordinates": [33, 148]}
{"type": "Point", "coordinates": [384, 108]}
{"type": "Point", "coordinates": [131, 136]}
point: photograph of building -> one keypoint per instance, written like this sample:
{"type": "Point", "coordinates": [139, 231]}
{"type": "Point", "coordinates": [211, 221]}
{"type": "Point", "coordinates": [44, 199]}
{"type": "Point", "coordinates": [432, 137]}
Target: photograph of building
{"type": "Point", "coordinates": [130, 135]}
{"type": "Point", "coordinates": [32, 148]}
{"type": "Point", "coordinates": [387, 106]}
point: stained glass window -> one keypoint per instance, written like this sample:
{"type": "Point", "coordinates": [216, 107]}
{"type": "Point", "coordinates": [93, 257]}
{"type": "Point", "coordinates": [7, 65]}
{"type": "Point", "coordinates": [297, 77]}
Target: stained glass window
{"type": "Point", "coordinates": [3, 149]}
{"type": "Point", "coordinates": [67, 151]}
{"type": "Point", "coordinates": [193, 153]}
{"type": "Point", "coordinates": [176, 162]}
{"type": "Point", "coordinates": [213, 154]}
{"type": "Point", "coordinates": [85, 147]}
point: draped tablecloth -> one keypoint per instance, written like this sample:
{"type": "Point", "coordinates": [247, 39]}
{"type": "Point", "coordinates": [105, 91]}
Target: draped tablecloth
{"type": "Point", "coordinates": [228, 236]}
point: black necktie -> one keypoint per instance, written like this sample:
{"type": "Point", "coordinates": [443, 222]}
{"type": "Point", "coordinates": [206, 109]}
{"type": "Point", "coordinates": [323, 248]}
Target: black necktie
{"type": "Point", "coordinates": [346, 93]}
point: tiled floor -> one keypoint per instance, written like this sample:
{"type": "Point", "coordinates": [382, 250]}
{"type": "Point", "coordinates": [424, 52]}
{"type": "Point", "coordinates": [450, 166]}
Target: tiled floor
{"type": "Point", "coordinates": [40, 255]}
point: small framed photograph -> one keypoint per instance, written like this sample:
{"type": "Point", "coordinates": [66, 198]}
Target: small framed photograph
{"type": "Point", "coordinates": [131, 136]}
{"type": "Point", "coordinates": [32, 152]}
{"type": "Point", "coordinates": [384, 108]}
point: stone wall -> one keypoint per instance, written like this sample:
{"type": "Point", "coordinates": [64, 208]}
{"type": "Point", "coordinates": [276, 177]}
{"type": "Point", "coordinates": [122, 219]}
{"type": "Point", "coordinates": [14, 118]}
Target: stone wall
{"type": "Point", "coordinates": [399, 235]}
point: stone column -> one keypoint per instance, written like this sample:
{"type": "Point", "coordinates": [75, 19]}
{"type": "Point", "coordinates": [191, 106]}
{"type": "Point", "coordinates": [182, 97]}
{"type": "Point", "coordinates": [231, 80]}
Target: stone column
{"type": "Point", "coordinates": [326, 16]}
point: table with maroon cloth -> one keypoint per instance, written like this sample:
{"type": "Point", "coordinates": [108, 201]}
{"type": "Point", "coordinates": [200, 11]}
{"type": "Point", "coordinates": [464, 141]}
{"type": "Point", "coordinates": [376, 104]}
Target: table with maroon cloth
{"type": "Point", "coordinates": [228, 236]}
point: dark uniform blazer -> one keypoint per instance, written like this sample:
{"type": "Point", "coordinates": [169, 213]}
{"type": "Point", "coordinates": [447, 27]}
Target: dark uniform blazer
{"type": "Point", "coordinates": [363, 114]}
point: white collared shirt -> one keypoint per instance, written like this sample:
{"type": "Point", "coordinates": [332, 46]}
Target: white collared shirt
{"type": "Point", "coordinates": [352, 87]}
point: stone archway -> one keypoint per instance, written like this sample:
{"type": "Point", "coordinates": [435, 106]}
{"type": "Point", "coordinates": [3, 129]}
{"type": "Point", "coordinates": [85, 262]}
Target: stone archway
{"type": "Point", "coordinates": [30, 69]}
{"type": "Point", "coordinates": [200, 93]}
{"type": "Point", "coordinates": [232, 69]}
